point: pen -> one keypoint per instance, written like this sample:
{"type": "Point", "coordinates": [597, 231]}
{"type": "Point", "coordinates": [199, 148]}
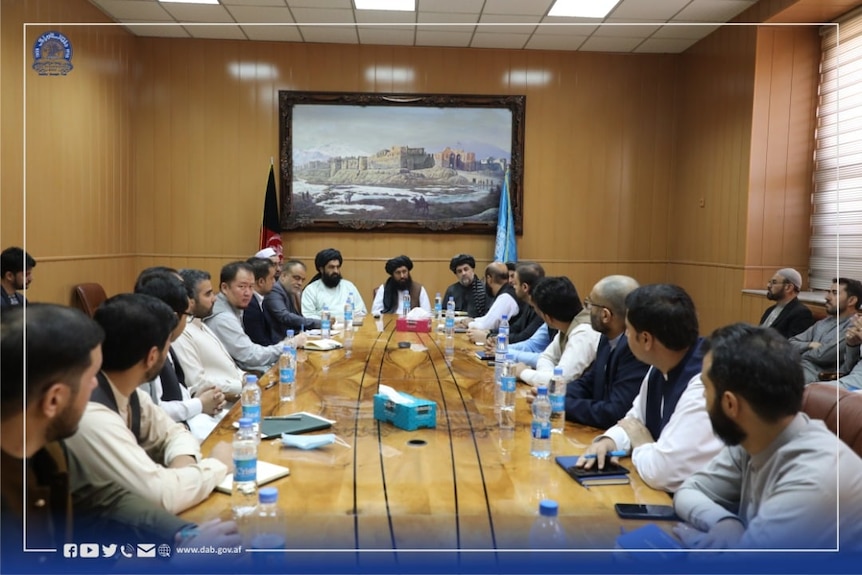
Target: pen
{"type": "Point", "coordinates": [617, 453]}
{"type": "Point", "coordinates": [285, 417]}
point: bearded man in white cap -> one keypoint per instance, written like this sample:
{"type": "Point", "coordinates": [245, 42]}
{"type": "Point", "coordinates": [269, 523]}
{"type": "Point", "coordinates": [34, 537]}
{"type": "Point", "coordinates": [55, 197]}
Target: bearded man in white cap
{"type": "Point", "coordinates": [271, 254]}
{"type": "Point", "coordinates": [788, 316]}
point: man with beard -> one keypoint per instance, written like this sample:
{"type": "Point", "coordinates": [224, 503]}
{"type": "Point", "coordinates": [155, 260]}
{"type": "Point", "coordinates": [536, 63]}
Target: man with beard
{"type": "Point", "coordinates": [205, 361]}
{"type": "Point", "coordinates": [62, 503]}
{"type": "Point", "coordinates": [328, 288]}
{"type": "Point", "coordinates": [605, 392]}
{"type": "Point", "coordinates": [388, 296]}
{"type": "Point", "coordinates": [527, 321]}
{"type": "Point", "coordinates": [788, 316]}
{"type": "Point", "coordinates": [16, 268]}
{"type": "Point", "coordinates": [124, 437]}
{"type": "Point", "coordinates": [667, 429]}
{"type": "Point", "coordinates": [469, 291]}
{"type": "Point", "coordinates": [574, 347]}
{"type": "Point", "coordinates": [235, 295]}
{"type": "Point", "coordinates": [282, 304]}
{"type": "Point", "coordinates": [774, 484]}
{"type": "Point", "coordinates": [822, 346]}
{"type": "Point", "coordinates": [498, 289]}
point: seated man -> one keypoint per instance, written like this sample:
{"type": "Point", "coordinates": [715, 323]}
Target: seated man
{"type": "Point", "coordinates": [205, 362]}
{"type": "Point", "coordinates": [574, 347]}
{"type": "Point", "coordinates": [497, 286]}
{"type": "Point", "coordinates": [821, 346]}
{"type": "Point", "coordinates": [389, 295]}
{"type": "Point", "coordinates": [237, 292]}
{"type": "Point", "coordinates": [62, 502]}
{"type": "Point", "coordinates": [255, 322]}
{"type": "Point", "coordinates": [604, 394]}
{"type": "Point", "coordinates": [283, 304]}
{"type": "Point", "coordinates": [125, 438]}
{"type": "Point", "coordinates": [328, 288]}
{"type": "Point", "coordinates": [273, 256]}
{"type": "Point", "coordinates": [667, 430]}
{"type": "Point", "coordinates": [527, 351]}
{"type": "Point", "coordinates": [849, 376]}
{"type": "Point", "coordinates": [527, 321]}
{"type": "Point", "coordinates": [16, 272]}
{"type": "Point", "coordinates": [788, 316]}
{"type": "Point", "coordinates": [774, 484]}
{"type": "Point", "coordinates": [168, 389]}
{"type": "Point", "coordinates": [469, 291]}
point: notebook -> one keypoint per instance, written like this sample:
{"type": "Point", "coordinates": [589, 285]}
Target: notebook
{"type": "Point", "coordinates": [322, 344]}
{"type": "Point", "coordinates": [266, 472]}
{"type": "Point", "coordinates": [610, 475]}
{"type": "Point", "coordinates": [304, 422]}
{"type": "Point", "coordinates": [316, 333]}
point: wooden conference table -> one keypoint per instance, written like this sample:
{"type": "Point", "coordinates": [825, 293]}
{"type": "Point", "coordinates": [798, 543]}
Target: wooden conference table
{"type": "Point", "coordinates": [463, 485]}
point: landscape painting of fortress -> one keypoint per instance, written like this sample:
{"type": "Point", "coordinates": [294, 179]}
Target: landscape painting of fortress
{"type": "Point", "coordinates": [368, 163]}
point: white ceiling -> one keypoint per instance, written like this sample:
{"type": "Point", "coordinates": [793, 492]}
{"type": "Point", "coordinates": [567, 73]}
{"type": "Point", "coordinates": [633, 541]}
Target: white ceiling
{"type": "Point", "coordinates": [632, 26]}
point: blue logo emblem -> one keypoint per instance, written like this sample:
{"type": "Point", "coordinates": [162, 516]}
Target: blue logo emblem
{"type": "Point", "coordinates": [52, 54]}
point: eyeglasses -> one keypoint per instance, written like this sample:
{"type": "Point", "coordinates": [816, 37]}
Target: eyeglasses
{"type": "Point", "coordinates": [588, 304]}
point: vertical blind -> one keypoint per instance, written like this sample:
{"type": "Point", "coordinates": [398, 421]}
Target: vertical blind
{"type": "Point", "coordinates": [836, 223]}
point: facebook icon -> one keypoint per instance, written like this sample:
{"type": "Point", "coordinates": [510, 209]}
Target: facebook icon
{"type": "Point", "coordinates": [70, 550]}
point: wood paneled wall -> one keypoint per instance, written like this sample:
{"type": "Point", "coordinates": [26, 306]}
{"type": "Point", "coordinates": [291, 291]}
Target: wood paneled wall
{"type": "Point", "coordinates": [745, 126]}
{"type": "Point", "coordinates": [690, 168]}
{"type": "Point", "coordinates": [598, 153]}
{"type": "Point", "coordinates": [73, 188]}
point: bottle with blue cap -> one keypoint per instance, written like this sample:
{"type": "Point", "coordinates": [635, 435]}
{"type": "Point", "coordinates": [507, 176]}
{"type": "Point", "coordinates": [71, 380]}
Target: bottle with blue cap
{"type": "Point", "coordinates": [540, 445]}
{"type": "Point", "coordinates": [557, 396]}
{"type": "Point", "coordinates": [547, 533]}
{"type": "Point", "coordinates": [268, 529]}
{"type": "Point", "coordinates": [287, 370]}
{"type": "Point", "coordinates": [244, 492]}
{"type": "Point", "coordinates": [250, 401]}
{"type": "Point", "coordinates": [325, 323]}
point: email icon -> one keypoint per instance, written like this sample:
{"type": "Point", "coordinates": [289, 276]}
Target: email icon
{"type": "Point", "coordinates": [146, 549]}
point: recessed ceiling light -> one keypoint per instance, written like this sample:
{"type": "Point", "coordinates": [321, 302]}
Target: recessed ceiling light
{"type": "Point", "coordinates": [189, 1]}
{"type": "Point", "coordinates": [398, 5]}
{"type": "Point", "coordinates": [583, 8]}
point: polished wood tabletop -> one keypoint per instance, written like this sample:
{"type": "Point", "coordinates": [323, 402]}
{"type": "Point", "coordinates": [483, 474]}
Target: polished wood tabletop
{"type": "Point", "coordinates": [462, 485]}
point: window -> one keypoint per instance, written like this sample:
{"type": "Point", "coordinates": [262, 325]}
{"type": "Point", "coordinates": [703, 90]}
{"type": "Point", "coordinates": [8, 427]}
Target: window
{"type": "Point", "coordinates": [836, 223]}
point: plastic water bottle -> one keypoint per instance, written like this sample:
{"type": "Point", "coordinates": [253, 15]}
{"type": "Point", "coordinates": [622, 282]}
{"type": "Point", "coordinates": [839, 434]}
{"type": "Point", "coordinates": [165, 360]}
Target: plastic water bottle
{"type": "Point", "coordinates": [269, 528]}
{"type": "Point", "coordinates": [449, 328]}
{"type": "Point", "coordinates": [503, 327]}
{"type": "Point", "coordinates": [500, 352]}
{"type": "Point", "coordinates": [540, 445]}
{"type": "Point", "coordinates": [325, 325]}
{"type": "Point", "coordinates": [405, 304]}
{"type": "Point", "coordinates": [557, 396]}
{"type": "Point", "coordinates": [287, 371]}
{"type": "Point", "coordinates": [244, 494]}
{"type": "Point", "coordinates": [507, 393]}
{"type": "Point", "coordinates": [348, 326]}
{"type": "Point", "coordinates": [438, 307]}
{"type": "Point", "coordinates": [250, 400]}
{"type": "Point", "coordinates": [546, 532]}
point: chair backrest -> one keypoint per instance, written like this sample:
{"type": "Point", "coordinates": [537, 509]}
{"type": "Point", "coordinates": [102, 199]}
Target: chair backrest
{"type": "Point", "coordinates": [87, 297]}
{"type": "Point", "coordinates": [840, 409]}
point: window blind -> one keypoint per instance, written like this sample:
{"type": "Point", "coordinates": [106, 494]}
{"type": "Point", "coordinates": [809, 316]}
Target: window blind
{"type": "Point", "coordinates": [836, 222]}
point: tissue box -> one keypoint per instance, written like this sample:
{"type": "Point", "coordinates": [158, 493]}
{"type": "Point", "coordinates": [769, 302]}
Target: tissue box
{"type": "Point", "coordinates": [419, 325]}
{"type": "Point", "coordinates": [418, 413]}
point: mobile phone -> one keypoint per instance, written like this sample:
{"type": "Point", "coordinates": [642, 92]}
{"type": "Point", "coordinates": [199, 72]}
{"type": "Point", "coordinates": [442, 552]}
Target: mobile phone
{"type": "Point", "coordinates": [637, 511]}
{"type": "Point", "coordinates": [594, 471]}
{"type": "Point", "coordinates": [485, 356]}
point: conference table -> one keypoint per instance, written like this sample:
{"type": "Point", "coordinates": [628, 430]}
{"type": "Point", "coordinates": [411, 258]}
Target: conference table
{"type": "Point", "coordinates": [465, 484]}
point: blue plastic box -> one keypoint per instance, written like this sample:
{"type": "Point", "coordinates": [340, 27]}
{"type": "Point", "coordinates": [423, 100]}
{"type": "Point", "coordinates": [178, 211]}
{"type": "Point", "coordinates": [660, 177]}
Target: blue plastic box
{"type": "Point", "coordinates": [412, 416]}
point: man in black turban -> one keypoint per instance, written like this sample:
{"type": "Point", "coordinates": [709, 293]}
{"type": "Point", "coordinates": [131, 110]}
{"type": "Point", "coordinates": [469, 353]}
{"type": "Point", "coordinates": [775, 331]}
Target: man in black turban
{"type": "Point", "coordinates": [469, 291]}
{"type": "Point", "coordinates": [328, 288]}
{"type": "Point", "coordinates": [389, 296]}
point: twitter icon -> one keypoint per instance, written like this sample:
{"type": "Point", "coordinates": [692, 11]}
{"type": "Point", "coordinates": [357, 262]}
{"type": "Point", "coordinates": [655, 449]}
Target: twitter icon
{"type": "Point", "coordinates": [109, 550]}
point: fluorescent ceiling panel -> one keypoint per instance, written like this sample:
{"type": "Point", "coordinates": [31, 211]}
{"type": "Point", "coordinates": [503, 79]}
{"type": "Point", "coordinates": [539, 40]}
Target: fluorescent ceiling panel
{"type": "Point", "coordinates": [397, 5]}
{"type": "Point", "coordinates": [582, 8]}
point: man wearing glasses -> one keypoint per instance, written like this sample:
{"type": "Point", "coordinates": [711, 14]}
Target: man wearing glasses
{"type": "Point", "coordinates": [788, 316]}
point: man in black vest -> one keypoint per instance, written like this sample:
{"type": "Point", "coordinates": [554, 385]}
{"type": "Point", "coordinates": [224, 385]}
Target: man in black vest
{"type": "Point", "coordinates": [125, 438]}
{"type": "Point", "coordinates": [505, 301]}
{"type": "Point", "coordinates": [667, 431]}
{"type": "Point", "coordinates": [788, 316]}
{"type": "Point", "coordinates": [168, 390]}
{"type": "Point", "coordinates": [64, 504]}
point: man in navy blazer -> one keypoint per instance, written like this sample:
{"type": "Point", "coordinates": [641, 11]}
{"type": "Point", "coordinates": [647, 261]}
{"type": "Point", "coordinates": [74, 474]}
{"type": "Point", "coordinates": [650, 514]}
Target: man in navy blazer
{"type": "Point", "coordinates": [255, 322]}
{"type": "Point", "coordinates": [605, 392]}
{"type": "Point", "coordinates": [788, 316]}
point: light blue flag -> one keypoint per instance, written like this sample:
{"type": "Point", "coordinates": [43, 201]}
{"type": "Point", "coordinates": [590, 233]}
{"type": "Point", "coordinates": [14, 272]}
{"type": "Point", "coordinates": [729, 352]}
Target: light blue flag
{"type": "Point", "coordinates": [505, 249]}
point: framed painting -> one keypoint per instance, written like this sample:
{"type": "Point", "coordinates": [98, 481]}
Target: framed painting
{"type": "Point", "coordinates": [399, 162]}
